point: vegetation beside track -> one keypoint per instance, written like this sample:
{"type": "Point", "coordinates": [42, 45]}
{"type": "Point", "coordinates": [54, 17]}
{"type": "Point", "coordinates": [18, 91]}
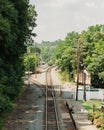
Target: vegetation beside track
{"type": "Point", "coordinates": [7, 107]}
{"type": "Point", "coordinates": [96, 115]}
{"type": "Point", "coordinates": [17, 20]}
{"type": "Point", "coordinates": [88, 105]}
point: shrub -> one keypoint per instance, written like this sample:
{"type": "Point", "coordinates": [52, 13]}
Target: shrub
{"type": "Point", "coordinates": [5, 104]}
{"type": "Point", "coordinates": [98, 119]}
{"type": "Point", "coordinates": [102, 127]}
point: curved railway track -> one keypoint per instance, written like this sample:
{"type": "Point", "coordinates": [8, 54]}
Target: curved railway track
{"type": "Point", "coordinates": [55, 107]}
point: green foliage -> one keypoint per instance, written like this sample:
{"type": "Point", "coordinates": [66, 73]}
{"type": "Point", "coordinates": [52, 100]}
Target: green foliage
{"type": "Point", "coordinates": [35, 49]}
{"type": "Point", "coordinates": [47, 50]}
{"type": "Point", "coordinates": [94, 59]}
{"type": "Point", "coordinates": [30, 61]}
{"type": "Point", "coordinates": [5, 104]}
{"type": "Point", "coordinates": [32, 58]}
{"type": "Point", "coordinates": [89, 104]}
{"type": "Point", "coordinates": [91, 54]}
{"type": "Point", "coordinates": [17, 20]}
{"type": "Point", "coordinates": [96, 116]}
{"type": "Point", "coordinates": [64, 54]}
{"type": "Point", "coordinates": [64, 76]}
{"type": "Point", "coordinates": [98, 119]}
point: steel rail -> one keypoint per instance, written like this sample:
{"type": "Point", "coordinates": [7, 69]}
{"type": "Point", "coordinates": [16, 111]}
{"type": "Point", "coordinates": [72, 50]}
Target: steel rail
{"type": "Point", "coordinates": [55, 104]}
{"type": "Point", "coordinates": [46, 101]}
{"type": "Point", "coordinates": [56, 120]}
{"type": "Point", "coordinates": [49, 81]}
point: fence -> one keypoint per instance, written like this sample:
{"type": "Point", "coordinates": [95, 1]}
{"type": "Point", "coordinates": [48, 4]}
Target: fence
{"type": "Point", "coordinates": [90, 94]}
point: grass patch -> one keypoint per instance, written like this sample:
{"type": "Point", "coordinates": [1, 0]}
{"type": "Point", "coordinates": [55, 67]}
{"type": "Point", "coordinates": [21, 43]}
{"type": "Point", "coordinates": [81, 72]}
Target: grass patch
{"type": "Point", "coordinates": [89, 104]}
{"type": "Point", "coordinates": [96, 116]}
{"type": "Point", "coordinates": [63, 76]}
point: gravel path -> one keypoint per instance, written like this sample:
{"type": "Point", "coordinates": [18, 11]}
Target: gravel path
{"type": "Point", "coordinates": [28, 115]}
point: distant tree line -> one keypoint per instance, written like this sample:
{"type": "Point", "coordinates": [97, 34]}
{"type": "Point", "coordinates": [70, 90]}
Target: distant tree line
{"type": "Point", "coordinates": [47, 49]}
{"type": "Point", "coordinates": [17, 19]}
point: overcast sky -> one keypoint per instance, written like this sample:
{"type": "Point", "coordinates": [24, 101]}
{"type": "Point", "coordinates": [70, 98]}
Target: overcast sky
{"type": "Point", "coordinates": [58, 17]}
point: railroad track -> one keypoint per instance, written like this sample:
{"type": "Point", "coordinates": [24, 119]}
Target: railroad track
{"type": "Point", "coordinates": [51, 111]}
{"type": "Point", "coordinates": [53, 120]}
{"type": "Point", "coordinates": [54, 106]}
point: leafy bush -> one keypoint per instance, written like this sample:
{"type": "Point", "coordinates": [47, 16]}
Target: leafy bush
{"type": "Point", "coordinates": [30, 61]}
{"type": "Point", "coordinates": [102, 127]}
{"type": "Point", "coordinates": [5, 104]}
{"type": "Point", "coordinates": [97, 118]}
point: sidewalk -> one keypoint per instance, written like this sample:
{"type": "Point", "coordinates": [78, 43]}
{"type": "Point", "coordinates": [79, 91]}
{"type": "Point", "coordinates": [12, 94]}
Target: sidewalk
{"type": "Point", "coordinates": [80, 116]}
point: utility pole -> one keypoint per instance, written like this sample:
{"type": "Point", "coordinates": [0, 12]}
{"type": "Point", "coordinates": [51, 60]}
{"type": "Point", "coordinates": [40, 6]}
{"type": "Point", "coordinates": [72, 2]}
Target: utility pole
{"type": "Point", "coordinates": [78, 62]}
{"type": "Point", "coordinates": [84, 91]}
{"type": "Point", "coordinates": [85, 74]}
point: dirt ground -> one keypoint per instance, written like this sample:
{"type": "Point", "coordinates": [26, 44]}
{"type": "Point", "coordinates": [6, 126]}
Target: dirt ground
{"type": "Point", "coordinates": [29, 112]}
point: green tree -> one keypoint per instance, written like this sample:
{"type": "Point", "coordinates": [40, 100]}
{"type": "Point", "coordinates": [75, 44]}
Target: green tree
{"type": "Point", "coordinates": [65, 54]}
{"type": "Point", "coordinates": [95, 53]}
{"type": "Point", "coordinates": [30, 61]}
{"type": "Point", "coordinates": [47, 50]}
{"type": "Point", "coordinates": [17, 20]}
{"type": "Point", "coordinates": [91, 53]}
